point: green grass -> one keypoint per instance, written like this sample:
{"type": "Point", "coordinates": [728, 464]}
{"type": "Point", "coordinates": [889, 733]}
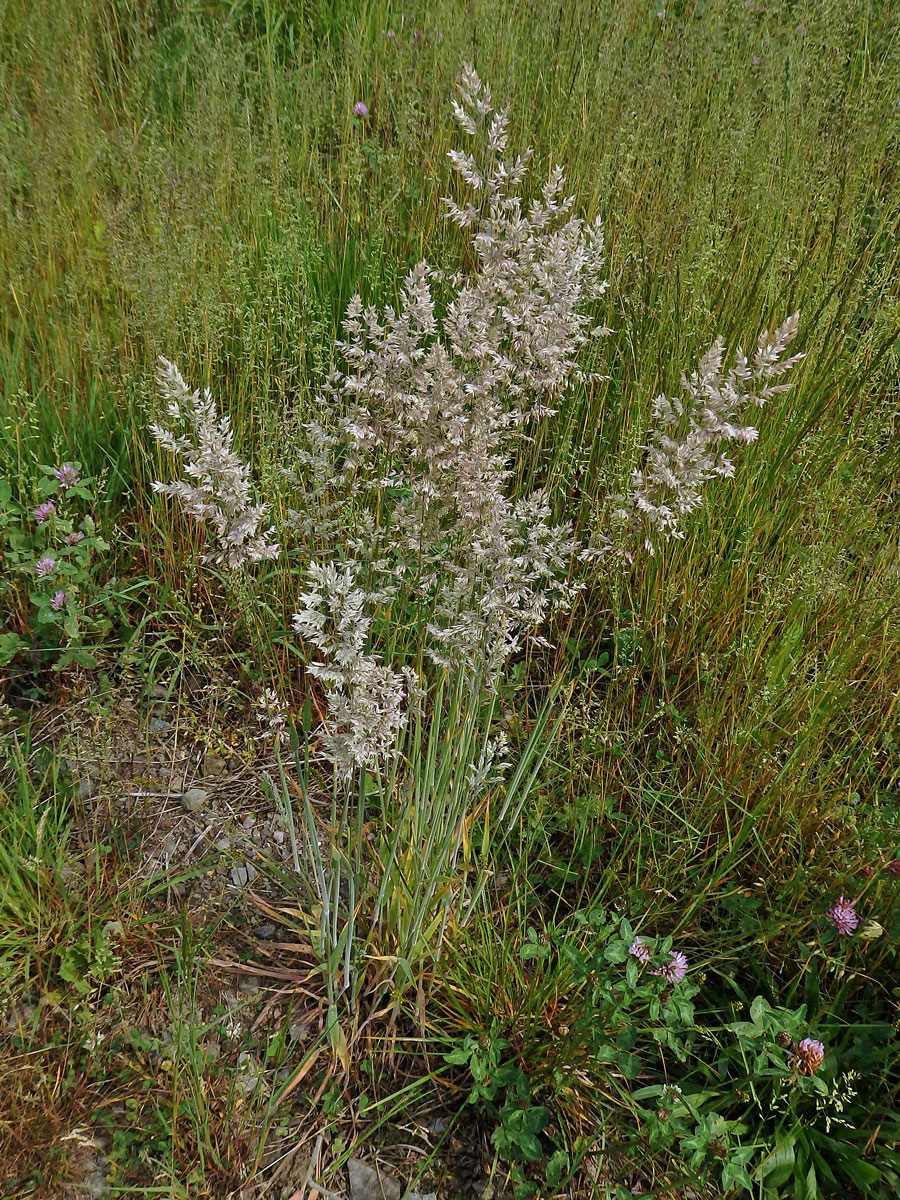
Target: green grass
{"type": "Point", "coordinates": [189, 180]}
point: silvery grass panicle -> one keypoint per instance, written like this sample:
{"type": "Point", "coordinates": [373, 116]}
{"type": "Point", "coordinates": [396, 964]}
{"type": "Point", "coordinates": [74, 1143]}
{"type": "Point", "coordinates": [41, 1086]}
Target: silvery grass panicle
{"type": "Point", "coordinates": [219, 492]}
{"type": "Point", "coordinates": [519, 322]}
{"type": "Point", "coordinates": [683, 449]}
{"type": "Point", "coordinates": [423, 416]}
{"type": "Point", "coordinates": [514, 575]}
{"type": "Point", "coordinates": [365, 698]}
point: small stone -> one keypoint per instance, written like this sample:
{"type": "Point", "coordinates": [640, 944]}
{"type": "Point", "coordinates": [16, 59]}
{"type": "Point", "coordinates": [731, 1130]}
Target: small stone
{"type": "Point", "coordinates": [94, 1185]}
{"type": "Point", "coordinates": [158, 725]}
{"type": "Point", "coordinates": [249, 821]}
{"type": "Point", "coordinates": [223, 844]}
{"type": "Point", "coordinates": [160, 691]}
{"type": "Point", "coordinates": [278, 837]}
{"type": "Point", "coordinates": [248, 985]}
{"type": "Point", "coordinates": [213, 765]}
{"type": "Point", "coordinates": [266, 931]}
{"type": "Point", "coordinates": [192, 682]}
{"type": "Point", "coordinates": [194, 799]}
{"type": "Point", "coordinates": [19, 1015]}
{"type": "Point", "coordinates": [243, 875]}
{"type": "Point", "coordinates": [250, 1074]}
{"type": "Point", "coordinates": [367, 1183]}
{"type": "Point", "coordinates": [211, 1049]}
{"type": "Point", "coordinates": [87, 788]}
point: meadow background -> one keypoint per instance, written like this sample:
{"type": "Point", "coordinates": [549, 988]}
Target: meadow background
{"type": "Point", "coordinates": [190, 180]}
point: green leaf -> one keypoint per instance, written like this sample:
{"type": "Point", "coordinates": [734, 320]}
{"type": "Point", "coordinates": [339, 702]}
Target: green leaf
{"type": "Point", "coordinates": [458, 1057]}
{"type": "Point", "coordinates": [629, 1065]}
{"type": "Point", "coordinates": [616, 952]}
{"type": "Point", "coordinates": [9, 644]}
{"type": "Point", "coordinates": [536, 1117]}
{"type": "Point", "coordinates": [626, 1038]}
{"type": "Point", "coordinates": [778, 1167]}
{"type": "Point", "coordinates": [734, 1176]}
{"type": "Point", "coordinates": [861, 1172]}
{"type": "Point", "coordinates": [513, 1142]}
{"type": "Point", "coordinates": [76, 655]}
{"type": "Point", "coordinates": [758, 1009]}
{"type": "Point", "coordinates": [557, 1168]}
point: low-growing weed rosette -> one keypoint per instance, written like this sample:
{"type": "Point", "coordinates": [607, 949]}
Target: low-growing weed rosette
{"type": "Point", "coordinates": [51, 550]}
{"type": "Point", "coordinates": [554, 1005]}
{"type": "Point", "coordinates": [628, 996]}
{"type": "Point", "coordinates": [765, 1104]}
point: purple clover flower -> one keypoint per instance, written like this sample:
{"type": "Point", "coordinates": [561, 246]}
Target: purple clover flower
{"type": "Point", "coordinates": [44, 511]}
{"type": "Point", "coordinates": [44, 566]}
{"type": "Point", "coordinates": [639, 951]}
{"type": "Point", "coordinates": [843, 916]}
{"type": "Point", "coordinates": [72, 539]}
{"type": "Point", "coordinates": [58, 601]}
{"type": "Point", "coordinates": [67, 475]}
{"type": "Point", "coordinates": [675, 970]}
{"type": "Point", "coordinates": [360, 109]}
{"type": "Point", "coordinates": [808, 1056]}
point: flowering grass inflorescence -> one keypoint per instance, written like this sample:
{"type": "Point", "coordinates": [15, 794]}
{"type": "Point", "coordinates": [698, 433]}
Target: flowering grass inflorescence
{"type": "Point", "coordinates": [218, 487]}
{"type": "Point", "coordinates": [420, 422]}
{"type": "Point", "coordinates": [365, 697]}
{"type": "Point", "coordinates": [409, 463]}
{"type": "Point", "coordinates": [683, 449]}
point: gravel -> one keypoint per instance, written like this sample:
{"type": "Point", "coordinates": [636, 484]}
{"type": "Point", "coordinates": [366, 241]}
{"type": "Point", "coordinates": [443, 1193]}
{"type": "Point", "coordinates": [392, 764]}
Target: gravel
{"type": "Point", "coordinates": [243, 875]}
{"type": "Point", "coordinates": [194, 799]}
